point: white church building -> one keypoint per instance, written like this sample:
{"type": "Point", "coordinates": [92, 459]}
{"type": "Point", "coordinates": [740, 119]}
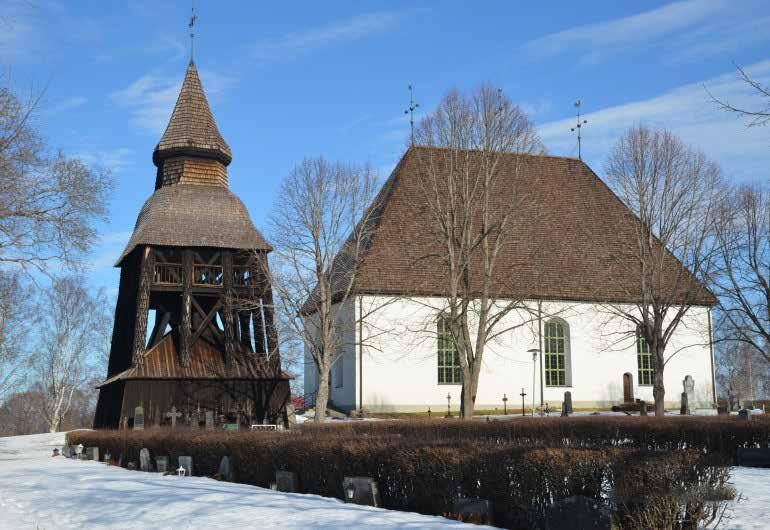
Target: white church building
{"type": "Point", "coordinates": [396, 354]}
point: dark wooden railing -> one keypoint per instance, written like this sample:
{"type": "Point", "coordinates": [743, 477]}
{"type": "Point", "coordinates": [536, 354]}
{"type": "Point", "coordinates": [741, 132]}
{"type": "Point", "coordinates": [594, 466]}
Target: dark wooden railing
{"type": "Point", "coordinates": [207, 275]}
{"type": "Point", "coordinates": [167, 274]}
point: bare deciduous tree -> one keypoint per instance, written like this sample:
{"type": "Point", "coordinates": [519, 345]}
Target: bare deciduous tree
{"type": "Point", "coordinates": [320, 226]}
{"type": "Point", "coordinates": [48, 202]}
{"type": "Point", "coordinates": [742, 372]}
{"type": "Point", "coordinates": [462, 180]}
{"type": "Point", "coordinates": [757, 116]}
{"type": "Point", "coordinates": [674, 192]}
{"type": "Point", "coordinates": [742, 280]}
{"type": "Point", "coordinates": [71, 337]}
{"type": "Point", "coordinates": [14, 330]}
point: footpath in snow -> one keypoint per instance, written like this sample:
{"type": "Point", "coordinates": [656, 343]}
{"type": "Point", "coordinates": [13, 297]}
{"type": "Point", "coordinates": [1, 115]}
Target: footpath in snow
{"type": "Point", "coordinates": [41, 492]}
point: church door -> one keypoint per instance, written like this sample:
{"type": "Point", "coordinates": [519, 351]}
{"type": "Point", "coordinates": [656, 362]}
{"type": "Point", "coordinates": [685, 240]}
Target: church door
{"type": "Point", "coordinates": [628, 388]}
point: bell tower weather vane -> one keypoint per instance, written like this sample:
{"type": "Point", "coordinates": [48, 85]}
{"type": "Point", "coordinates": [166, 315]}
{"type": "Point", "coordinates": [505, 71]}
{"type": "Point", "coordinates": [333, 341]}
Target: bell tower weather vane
{"type": "Point", "coordinates": [410, 110]}
{"type": "Point", "coordinates": [191, 25]}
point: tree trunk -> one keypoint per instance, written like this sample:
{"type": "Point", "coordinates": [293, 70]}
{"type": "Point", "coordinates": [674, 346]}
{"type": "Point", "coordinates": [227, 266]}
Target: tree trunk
{"type": "Point", "coordinates": [322, 394]}
{"type": "Point", "coordinates": [658, 390]}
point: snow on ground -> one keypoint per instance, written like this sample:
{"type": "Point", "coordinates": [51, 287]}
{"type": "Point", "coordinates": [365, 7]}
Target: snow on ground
{"type": "Point", "coordinates": [42, 492]}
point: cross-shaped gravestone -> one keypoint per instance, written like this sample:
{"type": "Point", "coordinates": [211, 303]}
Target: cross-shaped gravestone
{"type": "Point", "coordinates": [173, 415]}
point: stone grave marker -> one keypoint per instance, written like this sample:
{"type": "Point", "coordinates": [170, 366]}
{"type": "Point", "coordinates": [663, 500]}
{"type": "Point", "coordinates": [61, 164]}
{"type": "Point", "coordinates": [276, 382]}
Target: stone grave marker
{"type": "Point", "coordinates": [139, 418]}
{"type": "Point", "coordinates": [145, 463]}
{"type": "Point", "coordinates": [478, 511]}
{"type": "Point", "coordinates": [566, 408]}
{"type": "Point", "coordinates": [231, 426]}
{"type": "Point", "coordinates": [120, 460]}
{"type": "Point", "coordinates": [753, 457]}
{"type": "Point", "coordinates": [161, 464]}
{"type": "Point", "coordinates": [195, 421]}
{"type": "Point", "coordinates": [689, 388]}
{"type": "Point", "coordinates": [361, 490]}
{"type": "Point", "coordinates": [286, 481]}
{"type": "Point", "coordinates": [174, 415]}
{"type": "Point", "coordinates": [187, 463]}
{"type": "Point", "coordinates": [209, 420]}
{"type": "Point", "coordinates": [744, 414]}
{"type": "Point", "coordinates": [642, 408]}
{"type": "Point", "coordinates": [226, 469]}
{"type": "Point", "coordinates": [577, 512]}
{"type": "Point", "coordinates": [92, 453]}
{"type": "Point", "coordinates": [65, 451]}
{"type": "Point", "coordinates": [685, 408]}
{"type": "Point", "coordinates": [131, 466]}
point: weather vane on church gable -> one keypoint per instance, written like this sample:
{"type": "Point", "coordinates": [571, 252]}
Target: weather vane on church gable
{"type": "Point", "coordinates": [578, 127]}
{"type": "Point", "coordinates": [410, 110]}
{"type": "Point", "coordinates": [191, 25]}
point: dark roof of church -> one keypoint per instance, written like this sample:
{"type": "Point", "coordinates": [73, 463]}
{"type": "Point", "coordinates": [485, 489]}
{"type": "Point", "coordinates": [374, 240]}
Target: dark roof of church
{"type": "Point", "coordinates": [574, 243]}
{"type": "Point", "coordinates": [160, 362]}
{"type": "Point", "coordinates": [192, 129]}
{"type": "Point", "coordinates": [192, 205]}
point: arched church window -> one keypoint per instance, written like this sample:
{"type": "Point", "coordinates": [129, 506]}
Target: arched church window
{"type": "Point", "coordinates": [556, 353]}
{"type": "Point", "coordinates": [645, 361]}
{"type": "Point", "coordinates": [449, 371]}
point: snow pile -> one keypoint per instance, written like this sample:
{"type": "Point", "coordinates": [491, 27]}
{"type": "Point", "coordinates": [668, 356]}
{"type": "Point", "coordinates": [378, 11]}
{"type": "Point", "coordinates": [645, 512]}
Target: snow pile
{"type": "Point", "coordinates": [40, 491]}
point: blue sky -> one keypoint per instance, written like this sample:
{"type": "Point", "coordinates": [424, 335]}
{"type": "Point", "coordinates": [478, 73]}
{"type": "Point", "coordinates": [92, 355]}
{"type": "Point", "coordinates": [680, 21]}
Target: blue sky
{"type": "Point", "coordinates": [309, 78]}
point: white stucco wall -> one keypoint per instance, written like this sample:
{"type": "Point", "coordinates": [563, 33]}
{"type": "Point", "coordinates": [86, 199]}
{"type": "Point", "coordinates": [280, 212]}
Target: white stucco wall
{"type": "Point", "coordinates": [400, 361]}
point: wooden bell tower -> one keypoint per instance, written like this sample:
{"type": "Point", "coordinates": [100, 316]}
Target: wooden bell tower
{"type": "Point", "coordinates": [196, 267]}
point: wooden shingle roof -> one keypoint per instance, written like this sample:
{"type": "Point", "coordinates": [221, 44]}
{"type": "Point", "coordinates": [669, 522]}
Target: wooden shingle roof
{"type": "Point", "coordinates": [161, 362]}
{"type": "Point", "coordinates": [192, 129]}
{"type": "Point", "coordinates": [574, 242]}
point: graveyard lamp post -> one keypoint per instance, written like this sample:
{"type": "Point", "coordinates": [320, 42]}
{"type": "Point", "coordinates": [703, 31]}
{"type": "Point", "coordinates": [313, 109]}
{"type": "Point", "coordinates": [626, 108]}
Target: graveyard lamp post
{"type": "Point", "coordinates": [448, 404]}
{"type": "Point", "coordinates": [534, 352]}
{"type": "Point", "coordinates": [505, 404]}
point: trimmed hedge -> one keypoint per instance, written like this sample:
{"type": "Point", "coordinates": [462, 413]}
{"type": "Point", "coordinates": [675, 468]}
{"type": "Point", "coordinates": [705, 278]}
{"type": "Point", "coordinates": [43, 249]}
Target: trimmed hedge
{"type": "Point", "coordinates": [521, 466]}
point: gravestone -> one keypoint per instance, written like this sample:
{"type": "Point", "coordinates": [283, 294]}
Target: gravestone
{"type": "Point", "coordinates": [753, 457]}
{"type": "Point", "coordinates": [145, 464]}
{"type": "Point", "coordinates": [195, 421]}
{"type": "Point", "coordinates": [120, 460]}
{"type": "Point", "coordinates": [744, 415]}
{"type": "Point", "coordinates": [173, 414]}
{"type": "Point", "coordinates": [65, 451]}
{"type": "Point", "coordinates": [689, 389]}
{"type": "Point", "coordinates": [566, 408]}
{"type": "Point", "coordinates": [286, 481]}
{"type": "Point", "coordinates": [139, 418]}
{"type": "Point", "coordinates": [732, 401]}
{"type": "Point", "coordinates": [577, 512]}
{"type": "Point", "coordinates": [685, 408]}
{"type": "Point", "coordinates": [291, 415]}
{"type": "Point", "coordinates": [161, 464]}
{"type": "Point", "coordinates": [131, 466]}
{"type": "Point", "coordinates": [361, 490]}
{"type": "Point", "coordinates": [187, 463]}
{"type": "Point", "coordinates": [477, 511]}
{"type": "Point", "coordinates": [209, 420]}
{"type": "Point", "coordinates": [226, 469]}
{"type": "Point", "coordinates": [107, 457]}
{"type": "Point", "coordinates": [231, 426]}
{"type": "Point", "coordinates": [92, 453]}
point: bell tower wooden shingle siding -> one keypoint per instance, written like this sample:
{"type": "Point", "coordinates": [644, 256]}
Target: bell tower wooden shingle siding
{"type": "Point", "coordinates": [193, 252]}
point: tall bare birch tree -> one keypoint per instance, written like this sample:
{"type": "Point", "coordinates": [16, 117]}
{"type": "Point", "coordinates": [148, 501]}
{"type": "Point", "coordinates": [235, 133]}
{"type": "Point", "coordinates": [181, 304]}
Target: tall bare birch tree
{"type": "Point", "coordinates": [742, 280]}
{"type": "Point", "coordinates": [71, 337]}
{"type": "Point", "coordinates": [674, 191]}
{"type": "Point", "coordinates": [462, 181]}
{"type": "Point", "coordinates": [321, 223]}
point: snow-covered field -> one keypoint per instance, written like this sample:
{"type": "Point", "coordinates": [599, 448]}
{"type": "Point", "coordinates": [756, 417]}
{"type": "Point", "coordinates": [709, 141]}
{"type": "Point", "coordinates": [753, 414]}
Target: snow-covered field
{"type": "Point", "coordinates": [41, 492]}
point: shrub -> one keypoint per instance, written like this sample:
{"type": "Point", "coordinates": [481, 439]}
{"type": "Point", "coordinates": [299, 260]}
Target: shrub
{"type": "Point", "coordinates": [649, 472]}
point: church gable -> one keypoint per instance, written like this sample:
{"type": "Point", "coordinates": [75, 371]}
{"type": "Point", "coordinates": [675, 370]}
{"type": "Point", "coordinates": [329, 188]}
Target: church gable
{"type": "Point", "coordinates": [574, 242]}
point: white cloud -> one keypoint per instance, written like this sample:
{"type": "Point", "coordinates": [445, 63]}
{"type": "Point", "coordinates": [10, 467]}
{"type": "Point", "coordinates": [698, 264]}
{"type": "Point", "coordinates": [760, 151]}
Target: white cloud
{"type": "Point", "coordinates": [593, 42]}
{"type": "Point", "coordinates": [151, 97]}
{"type": "Point", "coordinates": [67, 104]}
{"type": "Point", "coordinates": [687, 111]}
{"type": "Point", "coordinates": [113, 159]}
{"type": "Point", "coordinates": [351, 29]}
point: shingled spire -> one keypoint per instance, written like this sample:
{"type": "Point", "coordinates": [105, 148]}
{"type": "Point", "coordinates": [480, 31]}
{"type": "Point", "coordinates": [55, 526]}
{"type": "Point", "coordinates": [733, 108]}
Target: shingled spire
{"type": "Point", "coordinates": [192, 130]}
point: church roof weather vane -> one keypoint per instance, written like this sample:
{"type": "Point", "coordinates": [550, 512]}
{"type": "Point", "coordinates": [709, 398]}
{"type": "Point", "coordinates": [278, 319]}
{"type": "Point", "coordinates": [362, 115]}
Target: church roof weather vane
{"type": "Point", "coordinates": [578, 126]}
{"type": "Point", "coordinates": [410, 110]}
{"type": "Point", "coordinates": [191, 25]}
